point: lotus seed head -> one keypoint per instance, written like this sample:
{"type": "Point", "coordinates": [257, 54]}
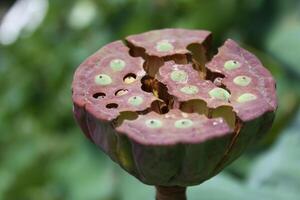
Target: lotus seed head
{"type": "Point", "coordinates": [190, 89]}
{"type": "Point", "coordinates": [183, 123]}
{"type": "Point", "coordinates": [135, 100]}
{"type": "Point", "coordinates": [103, 79]}
{"type": "Point", "coordinates": [117, 64]}
{"type": "Point", "coordinates": [231, 64]}
{"type": "Point", "coordinates": [153, 123]}
{"type": "Point", "coordinates": [179, 76]}
{"type": "Point", "coordinates": [164, 46]}
{"type": "Point", "coordinates": [242, 80]}
{"type": "Point", "coordinates": [220, 94]}
{"type": "Point", "coordinates": [246, 97]}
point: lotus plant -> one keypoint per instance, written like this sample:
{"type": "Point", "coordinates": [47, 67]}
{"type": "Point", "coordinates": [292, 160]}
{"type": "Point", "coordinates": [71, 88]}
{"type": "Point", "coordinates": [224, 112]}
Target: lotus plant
{"type": "Point", "coordinates": [168, 111]}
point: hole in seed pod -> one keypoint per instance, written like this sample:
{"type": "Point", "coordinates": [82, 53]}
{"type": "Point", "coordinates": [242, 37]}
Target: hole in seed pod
{"type": "Point", "coordinates": [112, 106]}
{"type": "Point", "coordinates": [194, 106]}
{"type": "Point", "coordinates": [214, 76]}
{"type": "Point", "coordinates": [159, 106]}
{"type": "Point", "coordinates": [99, 95]}
{"type": "Point", "coordinates": [199, 56]}
{"type": "Point", "coordinates": [152, 65]}
{"type": "Point", "coordinates": [125, 115]}
{"type": "Point", "coordinates": [135, 51]}
{"type": "Point", "coordinates": [121, 92]}
{"type": "Point", "coordinates": [129, 78]}
{"type": "Point", "coordinates": [149, 84]}
{"type": "Point", "coordinates": [225, 112]}
{"type": "Point", "coordinates": [177, 58]}
{"type": "Point", "coordinates": [158, 89]}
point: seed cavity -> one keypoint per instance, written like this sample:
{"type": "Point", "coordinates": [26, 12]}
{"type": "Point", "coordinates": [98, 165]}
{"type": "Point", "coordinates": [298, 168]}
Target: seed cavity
{"type": "Point", "coordinates": [246, 97]}
{"type": "Point", "coordinates": [183, 123]}
{"type": "Point", "coordinates": [112, 106]}
{"type": "Point", "coordinates": [190, 89]}
{"type": "Point", "coordinates": [117, 64]}
{"type": "Point", "coordinates": [220, 94]}
{"type": "Point", "coordinates": [164, 46]}
{"type": "Point", "coordinates": [153, 123]}
{"type": "Point", "coordinates": [231, 64]}
{"type": "Point", "coordinates": [99, 95]}
{"type": "Point", "coordinates": [121, 92]}
{"type": "Point", "coordinates": [135, 100]}
{"type": "Point", "coordinates": [103, 79]}
{"type": "Point", "coordinates": [179, 76]}
{"type": "Point", "coordinates": [129, 78]}
{"type": "Point", "coordinates": [242, 80]}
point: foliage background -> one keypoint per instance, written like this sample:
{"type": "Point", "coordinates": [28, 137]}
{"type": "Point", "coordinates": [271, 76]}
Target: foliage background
{"type": "Point", "coordinates": [44, 155]}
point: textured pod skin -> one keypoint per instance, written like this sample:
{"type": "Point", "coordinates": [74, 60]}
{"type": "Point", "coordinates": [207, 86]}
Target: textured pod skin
{"type": "Point", "coordinates": [153, 106]}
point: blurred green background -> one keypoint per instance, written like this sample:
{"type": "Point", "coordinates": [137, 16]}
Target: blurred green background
{"type": "Point", "coordinates": [44, 155]}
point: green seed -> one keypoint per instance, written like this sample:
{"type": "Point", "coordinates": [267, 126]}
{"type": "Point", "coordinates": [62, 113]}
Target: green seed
{"type": "Point", "coordinates": [231, 64]}
{"type": "Point", "coordinates": [103, 79]}
{"type": "Point", "coordinates": [164, 46]}
{"type": "Point", "coordinates": [246, 97]}
{"type": "Point", "coordinates": [117, 64]}
{"type": "Point", "coordinates": [183, 123]}
{"type": "Point", "coordinates": [153, 123]}
{"type": "Point", "coordinates": [220, 94]}
{"type": "Point", "coordinates": [135, 100]}
{"type": "Point", "coordinates": [190, 89]}
{"type": "Point", "coordinates": [242, 80]}
{"type": "Point", "coordinates": [179, 76]}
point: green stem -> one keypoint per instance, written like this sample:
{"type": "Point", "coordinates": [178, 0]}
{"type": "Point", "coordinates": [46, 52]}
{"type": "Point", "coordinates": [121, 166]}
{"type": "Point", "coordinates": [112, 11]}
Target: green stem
{"type": "Point", "coordinates": [170, 193]}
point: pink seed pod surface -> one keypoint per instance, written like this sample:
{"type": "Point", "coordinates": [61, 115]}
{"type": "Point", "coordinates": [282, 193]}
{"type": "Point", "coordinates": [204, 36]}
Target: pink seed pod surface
{"type": "Point", "coordinates": [166, 111]}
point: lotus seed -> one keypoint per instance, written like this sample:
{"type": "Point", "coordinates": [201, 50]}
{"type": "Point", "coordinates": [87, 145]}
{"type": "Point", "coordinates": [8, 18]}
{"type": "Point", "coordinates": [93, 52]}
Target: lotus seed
{"type": "Point", "coordinates": [135, 100]}
{"type": "Point", "coordinates": [231, 64]}
{"type": "Point", "coordinates": [153, 123]}
{"type": "Point", "coordinates": [164, 46]}
{"type": "Point", "coordinates": [190, 89]}
{"type": "Point", "coordinates": [242, 80]}
{"type": "Point", "coordinates": [121, 92]}
{"type": "Point", "coordinates": [129, 79]}
{"type": "Point", "coordinates": [183, 123]}
{"type": "Point", "coordinates": [117, 64]}
{"type": "Point", "coordinates": [220, 94]}
{"type": "Point", "coordinates": [246, 97]}
{"type": "Point", "coordinates": [103, 79]}
{"type": "Point", "coordinates": [179, 76]}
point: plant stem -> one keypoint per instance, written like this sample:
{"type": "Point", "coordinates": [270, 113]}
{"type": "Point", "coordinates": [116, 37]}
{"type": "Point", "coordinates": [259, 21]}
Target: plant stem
{"type": "Point", "coordinates": [170, 193]}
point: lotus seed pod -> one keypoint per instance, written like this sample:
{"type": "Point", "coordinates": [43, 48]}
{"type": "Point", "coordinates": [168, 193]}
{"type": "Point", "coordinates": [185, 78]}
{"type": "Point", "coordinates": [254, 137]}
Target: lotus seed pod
{"type": "Point", "coordinates": [167, 112]}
